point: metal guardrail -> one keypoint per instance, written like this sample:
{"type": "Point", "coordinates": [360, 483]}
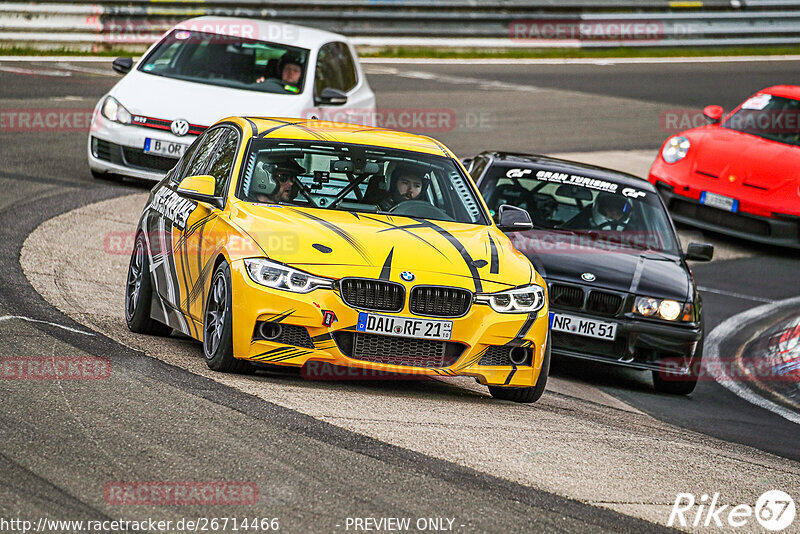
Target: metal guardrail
{"type": "Point", "coordinates": [489, 23]}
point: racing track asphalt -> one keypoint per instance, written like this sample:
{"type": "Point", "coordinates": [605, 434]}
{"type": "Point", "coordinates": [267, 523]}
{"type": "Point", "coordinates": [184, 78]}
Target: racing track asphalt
{"type": "Point", "coordinates": [44, 173]}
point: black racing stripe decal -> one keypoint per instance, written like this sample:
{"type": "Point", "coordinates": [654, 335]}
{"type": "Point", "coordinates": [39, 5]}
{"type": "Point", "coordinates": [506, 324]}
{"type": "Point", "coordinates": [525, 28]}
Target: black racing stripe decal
{"type": "Point", "coordinates": [495, 266]}
{"type": "Point", "coordinates": [344, 234]}
{"type": "Point", "coordinates": [472, 361]}
{"type": "Point", "coordinates": [197, 287]}
{"type": "Point", "coordinates": [517, 340]}
{"type": "Point", "coordinates": [386, 270]}
{"type": "Point", "coordinates": [274, 352]}
{"type": "Point", "coordinates": [405, 229]}
{"type": "Point", "coordinates": [510, 374]}
{"type": "Point", "coordinates": [253, 127]}
{"type": "Point", "coordinates": [476, 279]}
{"type": "Point", "coordinates": [282, 124]}
{"type": "Point", "coordinates": [281, 316]}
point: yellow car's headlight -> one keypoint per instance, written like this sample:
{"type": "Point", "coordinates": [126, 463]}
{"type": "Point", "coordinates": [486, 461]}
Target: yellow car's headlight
{"type": "Point", "coordinates": [278, 276]}
{"type": "Point", "coordinates": [520, 300]}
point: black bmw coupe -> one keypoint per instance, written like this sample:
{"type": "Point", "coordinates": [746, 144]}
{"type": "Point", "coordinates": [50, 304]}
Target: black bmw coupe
{"type": "Point", "coordinates": [620, 288]}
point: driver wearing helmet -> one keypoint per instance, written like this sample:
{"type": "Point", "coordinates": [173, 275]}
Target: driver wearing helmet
{"type": "Point", "coordinates": [610, 212]}
{"type": "Point", "coordinates": [276, 181]}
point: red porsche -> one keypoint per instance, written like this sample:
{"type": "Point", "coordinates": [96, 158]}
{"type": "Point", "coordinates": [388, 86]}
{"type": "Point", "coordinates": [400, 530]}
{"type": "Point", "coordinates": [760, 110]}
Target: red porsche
{"type": "Point", "coordinates": [740, 174]}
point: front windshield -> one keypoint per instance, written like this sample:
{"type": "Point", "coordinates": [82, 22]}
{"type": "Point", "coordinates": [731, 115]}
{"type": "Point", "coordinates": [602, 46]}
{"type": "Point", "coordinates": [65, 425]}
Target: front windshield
{"type": "Point", "coordinates": [768, 116]}
{"type": "Point", "coordinates": [570, 204]}
{"type": "Point", "coordinates": [228, 61]}
{"type": "Point", "coordinates": [358, 178]}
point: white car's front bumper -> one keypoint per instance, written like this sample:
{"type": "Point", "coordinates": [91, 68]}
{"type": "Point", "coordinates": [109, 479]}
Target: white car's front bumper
{"type": "Point", "coordinates": [119, 149]}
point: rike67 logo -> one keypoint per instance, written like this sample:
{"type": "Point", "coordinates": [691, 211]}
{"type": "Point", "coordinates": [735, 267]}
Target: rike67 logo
{"type": "Point", "coordinates": [774, 510]}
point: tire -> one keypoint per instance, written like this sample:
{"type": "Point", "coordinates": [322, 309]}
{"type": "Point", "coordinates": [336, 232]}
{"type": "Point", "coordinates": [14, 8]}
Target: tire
{"type": "Point", "coordinates": [674, 384]}
{"type": "Point", "coordinates": [530, 394]}
{"type": "Point", "coordinates": [139, 294]}
{"type": "Point", "coordinates": [217, 325]}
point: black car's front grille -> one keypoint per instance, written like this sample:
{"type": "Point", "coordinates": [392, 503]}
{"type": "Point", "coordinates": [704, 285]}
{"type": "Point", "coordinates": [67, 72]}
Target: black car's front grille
{"type": "Point", "coordinates": [404, 351]}
{"type": "Point", "coordinates": [564, 296]}
{"type": "Point", "coordinates": [375, 295]}
{"type": "Point", "coordinates": [603, 303]}
{"type": "Point", "coordinates": [726, 219]}
{"type": "Point", "coordinates": [137, 158]}
{"type": "Point", "coordinates": [439, 301]}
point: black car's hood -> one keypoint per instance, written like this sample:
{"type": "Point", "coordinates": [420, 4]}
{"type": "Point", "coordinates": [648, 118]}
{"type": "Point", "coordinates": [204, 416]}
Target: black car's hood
{"type": "Point", "coordinates": [646, 273]}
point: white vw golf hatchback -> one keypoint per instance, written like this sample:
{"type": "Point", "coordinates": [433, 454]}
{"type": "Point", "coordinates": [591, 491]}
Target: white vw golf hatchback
{"type": "Point", "coordinates": [208, 68]}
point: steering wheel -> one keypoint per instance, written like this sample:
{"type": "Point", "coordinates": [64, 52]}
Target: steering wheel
{"type": "Point", "coordinates": [420, 208]}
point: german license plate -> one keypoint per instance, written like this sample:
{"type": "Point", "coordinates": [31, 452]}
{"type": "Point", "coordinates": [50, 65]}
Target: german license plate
{"type": "Point", "coordinates": [404, 326]}
{"type": "Point", "coordinates": [164, 148]}
{"type": "Point", "coordinates": [718, 201]}
{"type": "Point", "coordinates": [582, 326]}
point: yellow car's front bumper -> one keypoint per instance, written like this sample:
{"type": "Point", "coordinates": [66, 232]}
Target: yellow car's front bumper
{"type": "Point", "coordinates": [479, 330]}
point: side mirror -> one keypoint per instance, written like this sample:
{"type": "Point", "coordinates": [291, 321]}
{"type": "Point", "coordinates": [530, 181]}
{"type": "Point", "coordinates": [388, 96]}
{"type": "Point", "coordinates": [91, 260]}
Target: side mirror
{"type": "Point", "coordinates": [699, 252]}
{"type": "Point", "coordinates": [331, 97]}
{"type": "Point", "coordinates": [200, 188]}
{"type": "Point", "coordinates": [713, 113]}
{"type": "Point", "coordinates": [513, 219]}
{"type": "Point", "coordinates": [122, 65]}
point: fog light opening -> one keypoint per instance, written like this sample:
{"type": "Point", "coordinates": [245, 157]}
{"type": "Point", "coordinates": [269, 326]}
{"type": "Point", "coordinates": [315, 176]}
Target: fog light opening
{"type": "Point", "coordinates": [270, 331]}
{"type": "Point", "coordinates": [519, 355]}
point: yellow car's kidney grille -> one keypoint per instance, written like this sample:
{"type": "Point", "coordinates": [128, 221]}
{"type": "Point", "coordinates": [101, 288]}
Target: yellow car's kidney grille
{"type": "Point", "coordinates": [440, 301]}
{"type": "Point", "coordinates": [405, 351]}
{"type": "Point", "coordinates": [377, 295]}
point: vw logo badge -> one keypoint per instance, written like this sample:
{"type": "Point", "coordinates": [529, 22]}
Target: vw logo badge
{"type": "Point", "coordinates": [179, 127]}
{"type": "Point", "coordinates": [588, 277]}
{"type": "Point", "coordinates": [408, 276]}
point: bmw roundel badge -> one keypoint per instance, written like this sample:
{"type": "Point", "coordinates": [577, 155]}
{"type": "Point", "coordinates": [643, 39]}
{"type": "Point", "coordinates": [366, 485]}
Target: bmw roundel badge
{"type": "Point", "coordinates": [407, 276]}
{"type": "Point", "coordinates": [588, 277]}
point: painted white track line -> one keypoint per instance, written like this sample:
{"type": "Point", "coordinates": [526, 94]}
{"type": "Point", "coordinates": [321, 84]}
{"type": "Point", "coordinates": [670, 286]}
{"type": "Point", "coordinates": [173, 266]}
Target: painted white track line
{"type": "Point", "coordinates": [478, 61]}
{"type": "Point", "coordinates": [727, 328]}
{"type": "Point", "coordinates": [576, 61]}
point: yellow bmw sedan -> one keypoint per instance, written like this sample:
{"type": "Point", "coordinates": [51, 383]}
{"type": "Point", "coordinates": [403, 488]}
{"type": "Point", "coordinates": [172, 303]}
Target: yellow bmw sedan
{"type": "Point", "coordinates": [302, 242]}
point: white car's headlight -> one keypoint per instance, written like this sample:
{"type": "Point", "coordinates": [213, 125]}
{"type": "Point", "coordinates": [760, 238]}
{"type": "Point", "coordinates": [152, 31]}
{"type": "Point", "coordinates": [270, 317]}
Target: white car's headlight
{"type": "Point", "coordinates": [675, 149]}
{"type": "Point", "coordinates": [278, 276]}
{"type": "Point", "coordinates": [668, 309]}
{"type": "Point", "coordinates": [114, 111]}
{"type": "Point", "coordinates": [520, 300]}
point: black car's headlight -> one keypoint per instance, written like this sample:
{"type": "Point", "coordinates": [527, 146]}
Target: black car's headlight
{"type": "Point", "coordinates": [278, 276]}
{"type": "Point", "coordinates": [114, 111]}
{"type": "Point", "coordinates": [667, 309]}
{"type": "Point", "coordinates": [520, 300]}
